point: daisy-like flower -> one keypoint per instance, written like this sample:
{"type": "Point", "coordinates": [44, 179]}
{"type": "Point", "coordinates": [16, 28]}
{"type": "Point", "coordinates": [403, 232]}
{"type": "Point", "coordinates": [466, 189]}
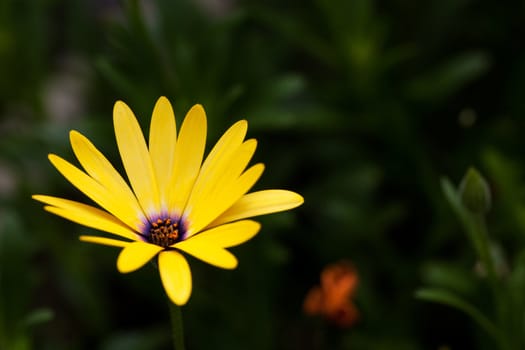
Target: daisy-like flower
{"type": "Point", "coordinates": [175, 203]}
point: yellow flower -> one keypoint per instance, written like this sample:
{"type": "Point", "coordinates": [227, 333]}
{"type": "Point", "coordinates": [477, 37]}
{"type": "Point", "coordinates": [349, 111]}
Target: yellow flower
{"type": "Point", "coordinates": [176, 202]}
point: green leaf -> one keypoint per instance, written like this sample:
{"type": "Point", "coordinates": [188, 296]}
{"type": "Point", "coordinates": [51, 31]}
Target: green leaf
{"type": "Point", "coordinates": [507, 174]}
{"type": "Point", "coordinates": [450, 276]}
{"type": "Point", "coordinates": [151, 338]}
{"type": "Point", "coordinates": [39, 316]}
{"type": "Point", "coordinates": [449, 77]}
{"type": "Point", "coordinates": [445, 297]}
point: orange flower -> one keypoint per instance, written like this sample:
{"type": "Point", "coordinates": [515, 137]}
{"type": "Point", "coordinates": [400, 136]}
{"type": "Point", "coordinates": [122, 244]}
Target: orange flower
{"type": "Point", "coordinates": [333, 298]}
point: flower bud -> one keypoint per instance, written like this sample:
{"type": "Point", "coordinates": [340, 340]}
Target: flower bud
{"type": "Point", "coordinates": [474, 192]}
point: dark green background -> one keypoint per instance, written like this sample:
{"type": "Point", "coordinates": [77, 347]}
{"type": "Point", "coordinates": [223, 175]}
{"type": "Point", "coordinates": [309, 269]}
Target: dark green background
{"type": "Point", "coordinates": [361, 106]}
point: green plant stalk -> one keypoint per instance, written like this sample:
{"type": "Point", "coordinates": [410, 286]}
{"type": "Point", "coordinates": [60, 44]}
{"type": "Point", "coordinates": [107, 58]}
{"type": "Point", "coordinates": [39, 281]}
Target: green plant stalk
{"type": "Point", "coordinates": [484, 252]}
{"type": "Point", "coordinates": [476, 229]}
{"type": "Point", "coordinates": [479, 228]}
{"type": "Point", "coordinates": [177, 328]}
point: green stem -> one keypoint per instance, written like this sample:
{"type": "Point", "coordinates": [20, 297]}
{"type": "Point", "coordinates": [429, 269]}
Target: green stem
{"type": "Point", "coordinates": [485, 253]}
{"type": "Point", "coordinates": [176, 326]}
{"type": "Point", "coordinates": [487, 259]}
{"type": "Point", "coordinates": [476, 229]}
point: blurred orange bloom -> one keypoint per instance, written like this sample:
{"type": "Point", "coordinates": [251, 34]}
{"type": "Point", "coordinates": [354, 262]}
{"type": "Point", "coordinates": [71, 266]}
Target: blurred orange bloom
{"type": "Point", "coordinates": [333, 298]}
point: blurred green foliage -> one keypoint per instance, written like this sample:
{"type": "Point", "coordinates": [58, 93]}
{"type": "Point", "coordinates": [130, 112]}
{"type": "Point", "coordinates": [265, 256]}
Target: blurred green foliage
{"type": "Point", "coordinates": [359, 105]}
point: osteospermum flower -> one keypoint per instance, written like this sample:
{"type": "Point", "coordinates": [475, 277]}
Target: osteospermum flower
{"type": "Point", "coordinates": [176, 203]}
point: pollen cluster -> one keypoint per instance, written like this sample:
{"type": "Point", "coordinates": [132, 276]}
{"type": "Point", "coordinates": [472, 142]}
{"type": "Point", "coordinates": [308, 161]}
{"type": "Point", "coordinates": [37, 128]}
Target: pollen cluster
{"type": "Point", "coordinates": [164, 232]}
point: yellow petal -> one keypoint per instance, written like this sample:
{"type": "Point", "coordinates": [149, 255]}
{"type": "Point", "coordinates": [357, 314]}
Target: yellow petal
{"type": "Point", "coordinates": [201, 216]}
{"type": "Point", "coordinates": [162, 141]}
{"type": "Point", "coordinates": [176, 276]}
{"type": "Point", "coordinates": [219, 156]}
{"type": "Point", "coordinates": [100, 169]}
{"type": "Point", "coordinates": [212, 255]}
{"type": "Point", "coordinates": [94, 190]}
{"type": "Point", "coordinates": [188, 158]}
{"type": "Point", "coordinates": [260, 203]}
{"type": "Point", "coordinates": [104, 241]}
{"type": "Point", "coordinates": [204, 207]}
{"type": "Point", "coordinates": [135, 255]}
{"type": "Point", "coordinates": [224, 236]}
{"type": "Point", "coordinates": [209, 245]}
{"type": "Point", "coordinates": [238, 163]}
{"type": "Point", "coordinates": [216, 163]}
{"type": "Point", "coordinates": [86, 215]}
{"type": "Point", "coordinates": [135, 158]}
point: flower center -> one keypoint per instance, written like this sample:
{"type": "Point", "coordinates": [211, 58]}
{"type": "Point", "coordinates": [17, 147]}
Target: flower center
{"type": "Point", "coordinates": [164, 232]}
